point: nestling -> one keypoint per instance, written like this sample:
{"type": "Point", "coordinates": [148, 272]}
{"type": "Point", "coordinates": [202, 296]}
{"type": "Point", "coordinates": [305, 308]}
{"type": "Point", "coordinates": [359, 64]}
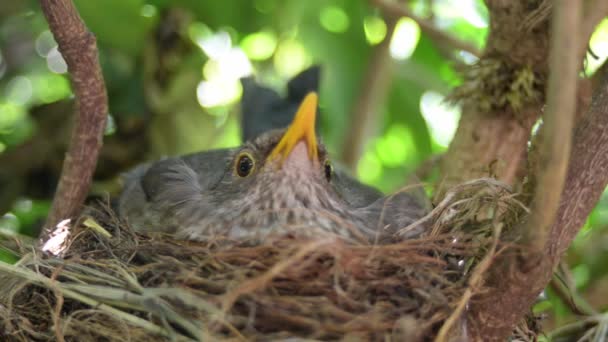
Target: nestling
{"type": "Point", "coordinates": [280, 182]}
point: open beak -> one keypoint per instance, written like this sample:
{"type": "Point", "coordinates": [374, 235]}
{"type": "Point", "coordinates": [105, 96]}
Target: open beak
{"type": "Point", "coordinates": [301, 128]}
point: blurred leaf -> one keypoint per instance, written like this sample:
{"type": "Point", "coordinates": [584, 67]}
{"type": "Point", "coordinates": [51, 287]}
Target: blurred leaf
{"type": "Point", "coordinates": [118, 24]}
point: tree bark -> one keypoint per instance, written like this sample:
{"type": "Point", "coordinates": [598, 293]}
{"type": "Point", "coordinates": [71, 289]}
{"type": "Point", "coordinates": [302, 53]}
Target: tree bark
{"type": "Point", "coordinates": [502, 97]}
{"type": "Point", "coordinates": [78, 47]}
{"type": "Point", "coordinates": [518, 278]}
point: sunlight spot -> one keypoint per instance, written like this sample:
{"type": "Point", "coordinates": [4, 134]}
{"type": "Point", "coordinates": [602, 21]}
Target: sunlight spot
{"type": "Point", "coordinates": [226, 65]}
{"type": "Point", "coordinates": [148, 11]}
{"type": "Point", "coordinates": [57, 242]}
{"type": "Point", "coordinates": [198, 31]}
{"type": "Point", "coordinates": [473, 11]}
{"type": "Point", "coordinates": [216, 45]}
{"type": "Point", "coordinates": [11, 114]}
{"type": "Point", "coordinates": [374, 28]}
{"type": "Point", "coordinates": [45, 43]}
{"type": "Point", "coordinates": [290, 58]}
{"type": "Point", "coordinates": [110, 125]}
{"type": "Point", "coordinates": [231, 66]}
{"type": "Point", "coordinates": [218, 92]}
{"type": "Point", "coordinates": [259, 46]}
{"type": "Point", "coordinates": [369, 168]}
{"type": "Point", "coordinates": [599, 46]}
{"type": "Point", "coordinates": [55, 62]}
{"type": "Point", "coordinates": [50, 87]}
{"type": "Point", "coordinates": [334, 19]}
{"type": "Point", "coordinates": [440, 117]}
{"type": "Point", "coordinates": [19, 90]}
{"type": "Point", "coordinates": [396, 146]}
{"type": "Point", "coordinates": [24, 205]}
{"type": "Point", "coordinates": [405, 39]}
{"type": "Point", "coordinates": [468, 57]}
{"type": "Point", "coordinates": [9, 223]}
{"type": "Point", "coordinates": [2, 147]}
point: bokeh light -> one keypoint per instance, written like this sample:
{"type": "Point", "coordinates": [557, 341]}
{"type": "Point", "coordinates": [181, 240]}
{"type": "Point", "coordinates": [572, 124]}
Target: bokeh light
{"type": "Point", "coordinates": [290, 58]}
{"type": "Point", "coordinates": [148, 11]}
{"type": "Point", "coordinates": [226, 65]}
{"type": "Point", "coordinates": [599, 46]}
{"type": "Point", "coordinates": [473, 11]}
{"type": "Point", "coordinates": [55, 62]}
{"type": "Point", "coordinates": [11, 115]}
{"type": "Point", "coordinates": [218, 93]}
{"type": "Point", "coordinates": [369, 168]}
{"type": "Point", "coordinates": [441, 119]}
{"type": "Point", "coordinates": [45, 43]}
{"type": "Point", "coordinates": [259, 46]}
{"type": "Point", "coordinates": [374, 28]}
{"type": "Point", "coordinates": [50, 87]}
{"type": "Point", "coordinates": [397, 147]}
{"type": "Point", "coordinates": [334, 19]}
{"type": "Point", "coordinates": [405, 38]}
{"type": "Point", "coordinates": [19, 90]}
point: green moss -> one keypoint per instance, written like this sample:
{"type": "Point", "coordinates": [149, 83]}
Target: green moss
{"type": "Point", "coordinates": [493, 85]}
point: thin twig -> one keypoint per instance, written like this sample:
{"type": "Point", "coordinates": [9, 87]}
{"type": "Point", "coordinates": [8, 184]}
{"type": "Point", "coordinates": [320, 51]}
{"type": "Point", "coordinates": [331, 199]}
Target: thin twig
{"type": "Point", "coordinates": [79, 49]}
{"type": "Point", "coordinates": [568, 295]}
{"type": "Point", "coordinates": [475, 282]}
{"type": "Point", "coordinates": [576, 328]}
{"type": "Point", "coordinates": [558, 120]}
{"type": "Point", "coordinates": [396, 10]}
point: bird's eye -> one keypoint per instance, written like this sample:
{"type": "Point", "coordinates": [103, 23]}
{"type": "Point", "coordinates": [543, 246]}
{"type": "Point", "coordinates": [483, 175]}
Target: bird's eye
{"type": "Point", "coordinates": [244, 165]}
{"type": "Point", "coordinates": [329, 170]}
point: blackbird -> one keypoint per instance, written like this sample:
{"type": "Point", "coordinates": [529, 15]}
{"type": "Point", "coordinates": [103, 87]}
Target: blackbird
{"type": "Point", "coordinates": [280, 181]}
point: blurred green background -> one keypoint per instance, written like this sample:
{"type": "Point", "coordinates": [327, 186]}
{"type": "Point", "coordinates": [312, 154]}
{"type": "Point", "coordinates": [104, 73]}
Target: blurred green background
{"type": "Point", "coordinates": [172, 70]}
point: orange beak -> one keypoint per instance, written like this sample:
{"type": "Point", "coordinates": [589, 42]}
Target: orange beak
{"type": "Point", "coordinates": [302, 128]}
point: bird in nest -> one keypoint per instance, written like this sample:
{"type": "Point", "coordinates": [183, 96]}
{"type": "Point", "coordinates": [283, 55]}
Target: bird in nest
{"type": "Point", "coordinates": [281, 181]}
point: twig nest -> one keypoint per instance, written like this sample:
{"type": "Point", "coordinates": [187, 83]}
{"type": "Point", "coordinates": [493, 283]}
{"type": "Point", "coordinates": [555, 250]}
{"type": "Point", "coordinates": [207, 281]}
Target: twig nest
{"type": "Point", "coordinates": [124, 286]}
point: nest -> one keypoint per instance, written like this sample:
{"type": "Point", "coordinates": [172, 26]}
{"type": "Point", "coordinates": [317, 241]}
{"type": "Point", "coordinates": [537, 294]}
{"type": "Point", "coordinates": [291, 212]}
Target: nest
{"type": "Point", "coordinates": [111, 284]}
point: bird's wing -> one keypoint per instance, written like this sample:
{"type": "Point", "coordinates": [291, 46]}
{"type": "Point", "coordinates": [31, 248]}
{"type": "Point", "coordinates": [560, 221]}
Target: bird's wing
{"type": "Point", "coordinates": [155, 195]}
{"type": "Point", "coordinates": [355, 193]}
{"type": "Point", "coordinates": [392, 213]}
{"type": "Point", "coordinates": [262, 109]}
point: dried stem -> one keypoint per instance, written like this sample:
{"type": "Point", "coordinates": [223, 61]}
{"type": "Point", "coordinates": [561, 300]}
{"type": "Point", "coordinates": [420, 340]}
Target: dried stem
{"type": "Point", "coordinates": [395, 10]}
{"type": "Point", "coordinates": [79, 49]}
{"type": "Point", "coordinates": [373, 91]}
{"type": "Point", "coordinates": [554, 150]}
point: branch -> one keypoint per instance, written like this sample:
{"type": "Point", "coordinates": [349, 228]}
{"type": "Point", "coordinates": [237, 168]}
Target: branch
{"type": "Point", "coordinates": [395, 10]}
{"type": "Point", "coordinates": [78, 47]}
{"type": "Point", "coordinates": [371, 95]}
{"type": "Point", "coordinates": [587, 175]}
{"type": "Point", "coordinates": [564, 64]}
{"type": "Point", "coordinates": [517, 277]}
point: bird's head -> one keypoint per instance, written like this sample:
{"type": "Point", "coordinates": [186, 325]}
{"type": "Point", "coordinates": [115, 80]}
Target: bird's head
{"type": "Point", "coordinates": [286, 157]}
